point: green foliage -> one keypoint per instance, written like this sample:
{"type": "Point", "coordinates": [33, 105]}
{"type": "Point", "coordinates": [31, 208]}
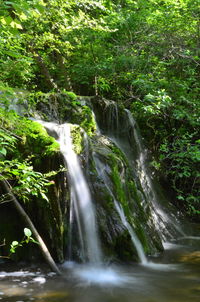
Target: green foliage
{"type": "Point", "coordinates": [77, 138]}
{"type": "Point", "coordinates": [7, 142]}
{"type": "Point", "coordinates": [182, 158]}
{"type": "Point", "coordinates": [27, 181]}
{"type": "Point", "coordinates": [27, 239]}
{"type": "Point", "coordinates": [142, 53]}
{"type": "Point", "coordinates": [19, 138]}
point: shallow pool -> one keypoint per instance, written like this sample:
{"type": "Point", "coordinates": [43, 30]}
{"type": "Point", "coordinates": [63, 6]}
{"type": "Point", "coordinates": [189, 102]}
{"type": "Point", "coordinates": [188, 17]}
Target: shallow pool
{"type": "Point", "coordinates": [173, 276]}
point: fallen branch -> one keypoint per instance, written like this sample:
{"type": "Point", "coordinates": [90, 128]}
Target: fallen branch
{"type": "Point", "coordinates": [42, 245]}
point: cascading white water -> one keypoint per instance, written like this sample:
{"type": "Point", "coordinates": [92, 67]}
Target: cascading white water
{"type": "Point", "coordinates": [82, 198]}
{"type": "Point", "coordinates": [75, 209]}
{"type": "Point", "coordinates": [161, 218]}
{"type": "Point", "coordinates": [80, 195]}
{"type": "Point", "coordinates": [136, 242]}
{"type": "Point", "coordinates": [81, 202]}
{"type": "Point", "coordinates": [134, 237]}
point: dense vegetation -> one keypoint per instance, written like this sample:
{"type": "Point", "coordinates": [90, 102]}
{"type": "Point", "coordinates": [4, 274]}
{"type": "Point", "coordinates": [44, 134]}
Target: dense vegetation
{"type": "Point", "coordinates": [143, 54]}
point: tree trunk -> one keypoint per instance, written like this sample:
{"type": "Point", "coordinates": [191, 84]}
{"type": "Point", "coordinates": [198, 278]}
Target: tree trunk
{"type": "Point", "coordinates": [26, 218]}
{"type": "Point", "coordinates": [65, 79]}
{"type": "Point", "coordinates": [44, 71]}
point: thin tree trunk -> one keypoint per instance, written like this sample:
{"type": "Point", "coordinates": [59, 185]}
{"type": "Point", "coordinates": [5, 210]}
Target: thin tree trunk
{"type": "Point", "coordinates": [65, 79]}
{"type": "Point", "coordinates": [45, 72]}
{"type": "Point", "coordinates": [42, 245]}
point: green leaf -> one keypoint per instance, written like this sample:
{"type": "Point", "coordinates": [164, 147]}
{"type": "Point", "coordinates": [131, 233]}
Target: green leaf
{"type": "Point", "coordinates": [3, 151]}
{"type": "Point", "coordinates": [14, 243]}
{"type": "Point", "coordinates": [8, 20]}
{"type": "Point", "coordinates": [12, 54]}
{"type": "Point", "coordinates": [44, 196]}
{"type": "Point", "coordinates": [27, 232]}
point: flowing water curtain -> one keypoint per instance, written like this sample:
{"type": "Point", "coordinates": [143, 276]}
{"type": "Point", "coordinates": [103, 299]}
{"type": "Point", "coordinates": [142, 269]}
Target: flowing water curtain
{"type": "Point", "coordinates": [81, 200]}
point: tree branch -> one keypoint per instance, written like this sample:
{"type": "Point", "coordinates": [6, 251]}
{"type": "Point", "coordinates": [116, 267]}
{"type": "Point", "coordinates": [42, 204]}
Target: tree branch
{"type": "Point", "coordinates": [26, 218]}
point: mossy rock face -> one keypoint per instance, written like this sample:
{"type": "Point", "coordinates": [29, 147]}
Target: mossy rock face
{"type": "Point", "coordinates": [34, 143]}
{"type": "Point", "coordinates": [33, 138]}
{"type": "Point", "coordinates": [118, 156]}
{"type": "Point", "coordinates": [112, 181]}
{"type": "Point", "coordinates": [77, 138]}
{"type": "Point", "coordinates": [109, 173]}
{"type": "Point", "coordinates": [60, 107]}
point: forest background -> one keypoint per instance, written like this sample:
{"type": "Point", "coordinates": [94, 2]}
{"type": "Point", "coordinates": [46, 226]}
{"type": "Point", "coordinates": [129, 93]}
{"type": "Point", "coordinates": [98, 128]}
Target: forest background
{"type": "Point", "coordinates": [144, 55]}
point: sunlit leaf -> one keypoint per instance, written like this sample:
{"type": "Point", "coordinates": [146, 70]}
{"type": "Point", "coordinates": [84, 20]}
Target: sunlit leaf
{"type": "Point", "coordinates": [27, 232]}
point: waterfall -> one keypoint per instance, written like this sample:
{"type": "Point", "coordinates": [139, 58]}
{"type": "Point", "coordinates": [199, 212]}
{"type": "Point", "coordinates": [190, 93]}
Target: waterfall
{"type": "Point", "coordinates": [121, 128]}
{"type": "Point", "coordinates": [162, 219]}
{"type": "Point", "coordinates": [134, 237]}
{"type": "Point", "coordinates": [80, 195]}
{"type": "Point", "coordinates": [136, 242]}
{"type": "Point", "coordinates": [139, 198]}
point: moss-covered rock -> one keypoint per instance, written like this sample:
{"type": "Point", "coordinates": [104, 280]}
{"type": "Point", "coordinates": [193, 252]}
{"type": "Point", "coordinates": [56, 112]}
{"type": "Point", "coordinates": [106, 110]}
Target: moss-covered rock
{"type": "Point", "coordinates": [33, 143]}
{"type": "Point", "coordinates": [64, 106]}
{"type": "Point", "coordinates": [109, 168]}
{"type": "Point", "coordinates": [77, 138]}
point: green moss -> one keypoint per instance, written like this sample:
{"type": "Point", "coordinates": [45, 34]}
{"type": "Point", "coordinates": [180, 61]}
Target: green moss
{"type": "Point", "coordinates": [120, 189]}
{"type": "Point", "coordinates": [88, 121]}
{"type": "Point", "coordinates": [77, 139]}
{"type": "Point", "coordinates": [34, 140]}
{"type": "Point", "coordinates": [126, 193]}
{"type": "Point", "coordinates": [71, 95]}
{"type": "Point", "coordinates": [119, 154]}
{"type": "Point", "coordinates": [134, 191]}
{"type": "Point", "coordinates": [67, 106]}
{"type": "Point", "coordinates": [117, 179]}
{"type": "Point", "coordinates": [118, 185]}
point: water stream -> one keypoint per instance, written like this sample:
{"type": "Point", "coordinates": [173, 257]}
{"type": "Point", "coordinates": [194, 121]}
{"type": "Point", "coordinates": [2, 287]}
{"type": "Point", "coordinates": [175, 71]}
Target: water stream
{"type": "Point", "coordinates": [81, 200]}
{"type": "Point", "coordinates": [176, 281]}
{"type": "Point", "coordinates": [137, 244]}
{"type": "Point", "coordinates": [162, 218]}
{"type": "Point", "coordinates": [134, 238]}
{"type": "Point", "coordinates": [170, 277]}
{"type": "Point", "coordinates": [122, 130]}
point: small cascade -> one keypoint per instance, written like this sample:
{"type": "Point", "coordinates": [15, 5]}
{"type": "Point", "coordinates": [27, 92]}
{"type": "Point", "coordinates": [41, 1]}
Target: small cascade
{"type": "Point", "coordinates": [129, 208]}
{"type": "Point", "coordinates": [162, 218]}
{"type": "Point", "coordinates": [134, 237]}
{"type": "Point", "coordinates": [75, 209]}
{"type": "Point", "coordinates": [81, 200]}
{"type": "Point", "coordinates": [121, 128]}
{"type": "Point", "coordinates": [136, 242]}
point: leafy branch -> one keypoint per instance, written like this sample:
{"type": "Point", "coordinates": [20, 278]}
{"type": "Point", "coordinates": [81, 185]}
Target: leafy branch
{"type": "Point", "coordinates": [27, 239]}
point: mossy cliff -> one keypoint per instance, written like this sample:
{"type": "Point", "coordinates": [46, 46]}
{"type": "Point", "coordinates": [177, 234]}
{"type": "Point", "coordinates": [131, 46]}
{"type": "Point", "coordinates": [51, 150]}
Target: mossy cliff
{"type": "Point", "coordinates": [107, 167]}
{"type": "Point", "coordinates": [36, 148]}
{"type": "Point", "coordinates": [112, 182]}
